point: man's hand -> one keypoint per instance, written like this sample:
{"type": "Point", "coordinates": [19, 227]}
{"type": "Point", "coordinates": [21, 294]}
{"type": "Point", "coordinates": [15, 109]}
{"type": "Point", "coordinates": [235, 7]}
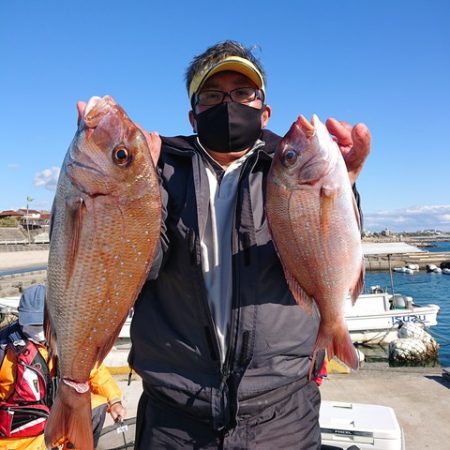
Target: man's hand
{"type": "Point", "coordinates": [154, 143]}
{"type": "Point", "coordinates": [117, 411]}
{"type": "Point", "coordinates": [354, 144]}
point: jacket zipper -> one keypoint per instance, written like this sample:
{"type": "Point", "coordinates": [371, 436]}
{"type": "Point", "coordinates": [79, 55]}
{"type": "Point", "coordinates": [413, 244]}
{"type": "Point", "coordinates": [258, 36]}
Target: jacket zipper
{"type": "Point", "coordinates": [194, 250]}
{"type": "Point", "coordinates": [210, 330]}
{"type": "Point", "coordinates": [231, 347]}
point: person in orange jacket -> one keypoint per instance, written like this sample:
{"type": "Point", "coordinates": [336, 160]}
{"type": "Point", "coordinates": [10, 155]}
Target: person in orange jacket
{"type": "Point", "coordinates": [28, 379]}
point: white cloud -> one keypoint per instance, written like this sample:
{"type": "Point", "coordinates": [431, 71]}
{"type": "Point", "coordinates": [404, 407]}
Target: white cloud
{"type": "Point", "coordinates": [414, 218]}
{"type": "Point", "coordinates": [47, 179]}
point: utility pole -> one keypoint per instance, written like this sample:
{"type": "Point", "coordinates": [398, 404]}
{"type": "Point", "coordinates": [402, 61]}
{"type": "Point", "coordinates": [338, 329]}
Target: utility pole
{"type": "Point", "coordinates": [29, 200]}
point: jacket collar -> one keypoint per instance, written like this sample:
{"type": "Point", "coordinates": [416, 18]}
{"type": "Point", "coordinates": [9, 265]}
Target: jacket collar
{"type": "Point", "coordinates": [185, 145]}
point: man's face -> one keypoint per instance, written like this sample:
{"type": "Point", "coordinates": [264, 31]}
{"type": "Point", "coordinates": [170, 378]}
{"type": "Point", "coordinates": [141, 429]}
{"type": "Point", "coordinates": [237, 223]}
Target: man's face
{"type": "Point", "coordinates": [228, 81]}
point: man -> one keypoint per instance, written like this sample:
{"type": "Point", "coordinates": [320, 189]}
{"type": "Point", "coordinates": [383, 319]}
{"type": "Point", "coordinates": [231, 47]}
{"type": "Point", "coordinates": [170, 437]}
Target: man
{"type": "Point", "coordinates": [28, 380]}
{"type": "Point", "coordinates": [223, 349]}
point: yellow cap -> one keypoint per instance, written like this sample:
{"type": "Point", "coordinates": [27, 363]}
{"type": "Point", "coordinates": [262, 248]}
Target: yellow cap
{"type": "Point", "coordinates": [233, 63]}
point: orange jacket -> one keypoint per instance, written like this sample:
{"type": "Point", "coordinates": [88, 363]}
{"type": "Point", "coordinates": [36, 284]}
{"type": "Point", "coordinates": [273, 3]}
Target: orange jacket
{"type": "Point", "coordinates": [104, 389]}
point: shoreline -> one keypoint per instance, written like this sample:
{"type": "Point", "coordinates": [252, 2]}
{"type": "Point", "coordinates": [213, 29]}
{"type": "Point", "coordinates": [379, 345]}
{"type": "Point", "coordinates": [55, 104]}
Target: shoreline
{"type": "Point", "coordinates": [28, 259]}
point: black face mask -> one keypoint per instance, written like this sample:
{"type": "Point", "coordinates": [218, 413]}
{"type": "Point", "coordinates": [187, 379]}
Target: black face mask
{"type": "Point", "coordinates": [229, 127]}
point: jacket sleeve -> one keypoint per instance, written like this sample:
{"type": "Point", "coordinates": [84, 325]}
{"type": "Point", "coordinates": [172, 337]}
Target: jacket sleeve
{"type": "Point", "coordinates": [358, 204]}
{"type": "Point", "coordinates": [7, 374]}
{"type": "Point", "coordinates": [103, 384]}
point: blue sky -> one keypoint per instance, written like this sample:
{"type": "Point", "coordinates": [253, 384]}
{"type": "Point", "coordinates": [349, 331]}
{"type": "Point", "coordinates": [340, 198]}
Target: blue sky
{"type": "Point", "coordinates": [384, 63]}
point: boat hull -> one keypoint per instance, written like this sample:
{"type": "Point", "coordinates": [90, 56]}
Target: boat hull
{"type": "Point", "coordinates": [373, 319]}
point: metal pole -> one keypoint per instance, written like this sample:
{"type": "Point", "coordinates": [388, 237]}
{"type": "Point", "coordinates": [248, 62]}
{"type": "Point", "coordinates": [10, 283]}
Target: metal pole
{"type": "Point", "coordinates": [390, 274]}
{"type": "Point", "coordinates": [28, 227]}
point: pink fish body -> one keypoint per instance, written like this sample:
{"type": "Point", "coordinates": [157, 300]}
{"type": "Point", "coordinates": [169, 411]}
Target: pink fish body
{"type": "Point", "coordinates": [315, 227]}
{"type": "Point", "coordinates": [105, 230]}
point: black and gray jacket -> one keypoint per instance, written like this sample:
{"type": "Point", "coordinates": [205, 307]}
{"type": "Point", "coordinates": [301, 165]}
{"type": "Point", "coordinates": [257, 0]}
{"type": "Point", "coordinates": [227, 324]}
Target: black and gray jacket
{"type": "Point", "coordinates": [175, 348]}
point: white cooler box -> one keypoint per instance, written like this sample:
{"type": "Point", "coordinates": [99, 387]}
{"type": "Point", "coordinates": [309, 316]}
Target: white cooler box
{"type": "Point", "coordinates": [359, 426]}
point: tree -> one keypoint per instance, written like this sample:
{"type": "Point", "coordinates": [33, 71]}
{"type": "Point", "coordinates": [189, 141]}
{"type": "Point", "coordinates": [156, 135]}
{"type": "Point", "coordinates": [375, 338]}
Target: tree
{"type": "Point", "coordinates": [8, 222]}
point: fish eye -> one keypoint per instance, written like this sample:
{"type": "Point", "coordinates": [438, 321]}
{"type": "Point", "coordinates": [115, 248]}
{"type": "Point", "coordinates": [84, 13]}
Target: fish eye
{"type": "Point", "coordinates": [290, 157]}
{"type": "Point", "coordinates": [121, 156]}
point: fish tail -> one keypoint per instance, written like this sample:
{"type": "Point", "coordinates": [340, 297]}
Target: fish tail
{"type": "Point", "coordinates": [338, 344]}
{"type": "Point", "coordinates": [70, 419]}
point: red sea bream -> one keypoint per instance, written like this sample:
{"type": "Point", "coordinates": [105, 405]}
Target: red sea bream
{"type": "Point", "coordinates": [104, 233]}
{"type": "Point", "coordinates": [315, 227]}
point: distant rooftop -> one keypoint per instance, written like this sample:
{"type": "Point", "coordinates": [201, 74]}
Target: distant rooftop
{"type": "Point", "coordinates": [388, 248]}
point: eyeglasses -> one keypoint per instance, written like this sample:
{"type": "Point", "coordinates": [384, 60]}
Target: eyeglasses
{"type": "Point", "coordinates": [239, 95]}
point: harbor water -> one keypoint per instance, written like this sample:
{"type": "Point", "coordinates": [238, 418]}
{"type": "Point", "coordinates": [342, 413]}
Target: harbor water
{"type": "Point", "coordinates": [425, 288]}
{"type": "Point", "coordinates": [439, 247]}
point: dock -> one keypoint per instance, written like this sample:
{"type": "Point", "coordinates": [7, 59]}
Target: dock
{"type": "Point", "coordinates": [420, 398]}
{"type": "Point", "coordinates": [422, 259]}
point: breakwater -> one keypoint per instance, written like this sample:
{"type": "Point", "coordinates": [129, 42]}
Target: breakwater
{"type": "Point", "coordinates": [422, 259]}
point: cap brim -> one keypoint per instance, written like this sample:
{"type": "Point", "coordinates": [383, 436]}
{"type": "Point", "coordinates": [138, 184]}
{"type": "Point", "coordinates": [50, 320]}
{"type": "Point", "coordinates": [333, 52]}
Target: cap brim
{"type": "Point", "coordinates": [231, 63]}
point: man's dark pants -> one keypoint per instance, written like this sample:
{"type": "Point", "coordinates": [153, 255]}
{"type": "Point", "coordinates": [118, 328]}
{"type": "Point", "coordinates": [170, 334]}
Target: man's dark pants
{"type": "Point", "coordinates": [291, 423]}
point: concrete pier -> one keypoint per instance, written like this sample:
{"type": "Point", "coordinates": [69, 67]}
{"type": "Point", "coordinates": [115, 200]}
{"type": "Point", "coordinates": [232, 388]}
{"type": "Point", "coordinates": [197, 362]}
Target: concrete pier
{"type": "Point", "coordinates": [378, 262]}
{"type": "Point", "coordinates": [420, 398]}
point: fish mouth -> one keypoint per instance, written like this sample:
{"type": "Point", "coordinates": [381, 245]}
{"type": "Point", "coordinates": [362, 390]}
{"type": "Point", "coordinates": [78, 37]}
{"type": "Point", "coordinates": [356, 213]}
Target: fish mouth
{"type": "Point", "coordinates": [100, 187]}
{"type": "Point", "coordinates": [92, 112]}
{"type": "Point", "coordinates": [73, 164]}
{"type": "Point", "coordinates": [74, 167]}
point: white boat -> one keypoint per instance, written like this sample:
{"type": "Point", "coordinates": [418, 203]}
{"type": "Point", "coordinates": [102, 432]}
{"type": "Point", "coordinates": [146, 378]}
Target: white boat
{"type": "Point", "coordinates": [404, 270]}
{"type": "Point", "coordinates": [376, 317]}
{"type": "Point", "coordinates": [433, 268]}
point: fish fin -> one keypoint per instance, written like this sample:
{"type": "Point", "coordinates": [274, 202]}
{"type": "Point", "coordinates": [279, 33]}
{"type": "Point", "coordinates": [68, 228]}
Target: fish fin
{"type": "Point", "coordinates": [52, 217]}
{"type": "Point", "coordinates": [50, 336]}
{"type": "Point", "coordinates": [329, 192]}
{"type": "Point", "coordinates": [359, 286]}
{"type": "Point", "coordinates": [76, 210]}
{"type": "Point", "coordinates": [299, 294]}
{"type": "Point", "coordinates": [338, 344]}
{"type": "Point", "coordinates": [70, 418]}
{"type": "Point", "coordinates": [328, 195]}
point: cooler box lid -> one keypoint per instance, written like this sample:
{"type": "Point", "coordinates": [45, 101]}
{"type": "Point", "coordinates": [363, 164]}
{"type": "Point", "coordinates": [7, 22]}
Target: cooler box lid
{"type": "Point", "coordinates": [361, 422]}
